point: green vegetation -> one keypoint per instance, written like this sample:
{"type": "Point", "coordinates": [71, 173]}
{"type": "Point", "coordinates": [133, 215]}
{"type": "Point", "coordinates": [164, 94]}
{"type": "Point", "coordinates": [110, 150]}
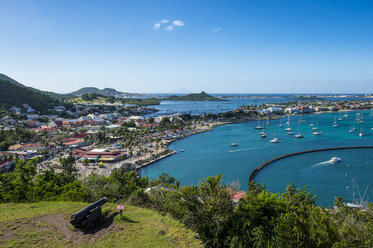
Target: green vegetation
{"type": "Point", "coordinates": [46, 224]}
{"type": "Point", "coordinates": [261, 219]}
{"type": "Point", "coordinates": [10, 137]}
{"type": "Point", "coordinates": [203, 96]}
{"type": "Point", "coordinates": [13, 95]}
{"type": "Point", "coordinates": [89, 90]}
{"type": "Point", "coordinates": [100, 98]}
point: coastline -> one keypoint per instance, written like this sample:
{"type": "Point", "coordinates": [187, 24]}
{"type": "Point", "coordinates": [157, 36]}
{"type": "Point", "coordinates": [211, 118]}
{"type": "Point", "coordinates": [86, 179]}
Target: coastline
{"type": "Point", "coordinates": [220, 123]}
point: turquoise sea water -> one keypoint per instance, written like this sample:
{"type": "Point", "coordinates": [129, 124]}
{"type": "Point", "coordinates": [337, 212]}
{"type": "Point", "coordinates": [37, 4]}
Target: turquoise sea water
{"type": "Point", "coordinates": [206, 155]}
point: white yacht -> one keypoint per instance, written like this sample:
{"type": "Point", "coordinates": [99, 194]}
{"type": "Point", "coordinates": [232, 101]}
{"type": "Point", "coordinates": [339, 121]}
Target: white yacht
{"type": "Point", "coordinates": [335, 124]}
{"type": "Point", "coordinates": [234, 144]}
{"type": "Point", "coordinates": [274, 139]}
{"type": "Point", "coordinates": [335, 160]}
{"type": "Point", "coordinates": [298, 135]}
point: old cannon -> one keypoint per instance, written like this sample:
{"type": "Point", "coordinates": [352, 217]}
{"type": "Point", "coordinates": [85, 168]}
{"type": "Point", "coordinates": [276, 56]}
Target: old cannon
{"type": "Point", "coordinates": [88, 215]}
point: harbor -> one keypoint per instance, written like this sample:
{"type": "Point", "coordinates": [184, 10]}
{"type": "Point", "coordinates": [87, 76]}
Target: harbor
{"type": "Point", "coordinates": [207, 154]}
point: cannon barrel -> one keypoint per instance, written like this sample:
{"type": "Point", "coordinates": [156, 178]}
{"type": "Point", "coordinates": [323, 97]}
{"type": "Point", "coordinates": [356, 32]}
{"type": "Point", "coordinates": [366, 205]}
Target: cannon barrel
{"type": "Point", "coordinates": [80, 215]}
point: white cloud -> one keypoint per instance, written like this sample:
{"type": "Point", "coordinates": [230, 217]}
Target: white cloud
{"type": "Point", "coordinates": [217, 29]}
{"type": "Point", "coordinates": [157, 26]}
{"type": "Point", "coordinates": [178, 23]}
{"type": "Point", "coordinates": [169, 28]}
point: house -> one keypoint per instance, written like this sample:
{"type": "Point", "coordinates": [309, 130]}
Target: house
{"type": "Point", "coordinates": [98, 155]}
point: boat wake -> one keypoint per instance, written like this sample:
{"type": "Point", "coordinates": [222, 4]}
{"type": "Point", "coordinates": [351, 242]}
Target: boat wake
{"type": "Point", "coordinates": [323, 163]}
{"type": "Point", "coordinates": [241, 150]}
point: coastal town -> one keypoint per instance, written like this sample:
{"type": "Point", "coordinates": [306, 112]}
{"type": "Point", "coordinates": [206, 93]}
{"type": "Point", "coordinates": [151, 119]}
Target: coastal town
{"type": "Point", "coordinates": [106, 136]}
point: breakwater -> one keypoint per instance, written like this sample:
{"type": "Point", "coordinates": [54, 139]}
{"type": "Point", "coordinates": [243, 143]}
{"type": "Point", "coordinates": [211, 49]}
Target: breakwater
{"type": "Point", "coordinates": [265, 164]}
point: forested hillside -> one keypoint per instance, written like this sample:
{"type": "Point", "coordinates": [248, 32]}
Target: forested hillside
{"type": "Point", "coordinates": [13, 95]}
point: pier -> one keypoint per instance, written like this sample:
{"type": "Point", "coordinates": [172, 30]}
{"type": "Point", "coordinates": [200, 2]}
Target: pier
{"type": "Point", "coordinates": [265, 164]}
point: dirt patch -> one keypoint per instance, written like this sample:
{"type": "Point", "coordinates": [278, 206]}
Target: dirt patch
{"type": "Point", "coordinates": [58, 224]}
{"type": "Point", "coordinates": [63, 226]}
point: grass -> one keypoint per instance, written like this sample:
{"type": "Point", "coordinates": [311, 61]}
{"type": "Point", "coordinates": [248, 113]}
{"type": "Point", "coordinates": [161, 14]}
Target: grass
{"type": "Point", "coordinates": [26, 225]}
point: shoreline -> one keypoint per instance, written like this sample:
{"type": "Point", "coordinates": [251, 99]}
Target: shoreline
{"type": "Point", "coordinates": [221, 123]}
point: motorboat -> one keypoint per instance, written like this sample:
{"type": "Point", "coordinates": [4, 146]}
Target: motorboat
{"type": "Point", "coordinates": [232, 144]}
{"type": "Point", "coordinates": [288, 129]}
{"type": "Point", "coordinates": [263, 135]}
{"type": "Point", "coordinates": [335, 160]}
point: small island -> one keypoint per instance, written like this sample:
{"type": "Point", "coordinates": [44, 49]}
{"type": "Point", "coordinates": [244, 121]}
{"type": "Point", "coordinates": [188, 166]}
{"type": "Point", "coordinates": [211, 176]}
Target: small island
{"type": "Point", "coordinates": [203, 96]}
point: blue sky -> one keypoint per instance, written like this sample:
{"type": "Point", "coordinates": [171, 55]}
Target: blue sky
{"type": "Point", "coordinates": [262, 46]}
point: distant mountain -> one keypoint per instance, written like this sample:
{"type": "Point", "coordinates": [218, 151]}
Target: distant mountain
{"type": "Point", "coordinates": [89, 90]}
{"type": "Point", "coordinates": [105, 92]}
{"type": "Point", "coordinates": [12, 94]}
{"type": "Point", "coordinates": [203, 96]}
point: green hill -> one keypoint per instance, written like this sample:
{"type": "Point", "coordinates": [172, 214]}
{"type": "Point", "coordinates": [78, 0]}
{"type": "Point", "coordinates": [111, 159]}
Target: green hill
{"type": "Point", "coordinates": [203, 96]}
{"type": "Point", "coordinates": [46, 224]}
{"type": "Point", "coordinates": [48, 93]}
{"type": "Point", "coordinates": [14, 95]}
{"type": "Point", "coordinates": [105, 92]}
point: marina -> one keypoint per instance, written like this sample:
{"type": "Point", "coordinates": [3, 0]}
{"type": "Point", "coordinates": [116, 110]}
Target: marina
{"type": "Point", "coordinates": [210, 153]}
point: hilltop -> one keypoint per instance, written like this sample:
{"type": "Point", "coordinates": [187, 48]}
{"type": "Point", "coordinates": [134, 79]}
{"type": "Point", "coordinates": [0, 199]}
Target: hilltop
{"type": "Point", "coordinates": [46, 224]}
{"type": "Point", "coordinates": [14, 95]}
{"type": "Point", "coordinates": [105, 92]}
{"type": "Point", "coordinates": [203, 96]}
{"type": "Point", "coordinates": [47, 93]}
{"type": "Point", "coordinates": [89, 90]}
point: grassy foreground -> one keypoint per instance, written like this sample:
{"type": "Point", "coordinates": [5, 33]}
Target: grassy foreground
{"type": "Point", "coordinates": [46, 224]}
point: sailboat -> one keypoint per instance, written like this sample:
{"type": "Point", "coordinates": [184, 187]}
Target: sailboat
{"type": "Point", "coordinates": [301, 119]}
{"type": "Point", "coordinates": [357, 202]}
{"type": "Point", "coordinates": [274, 139]}
{"type": "Point", "coordinates": [259, 126]}
{"type": "Point", "coordinates": [268, 121]}
{"type": "Point", "coordinates": [335, 124]}
{"type": "Point", "coordinates": [345, 115]}
{"type": "Point", "coordinates": [361, 134]}
{"type": "Point", "coordinates": [311, 124]}
{"type": "Point", "coordinates": [317, 132]}
{"type": "Point", "coordinates": [340, 117]}
{"type": "Point", "coordinates": [281, 123]}
{"type": "Point", "coordinates": [361, 118]}
{"type": "Point", "coordinates": [288, 122]}
{"type": "Point", "coordinates": [263, 134]}
{"type": "Point", "coordinates": [298, 135]}
{"type": "Point", "coordinates": [353, 128]}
